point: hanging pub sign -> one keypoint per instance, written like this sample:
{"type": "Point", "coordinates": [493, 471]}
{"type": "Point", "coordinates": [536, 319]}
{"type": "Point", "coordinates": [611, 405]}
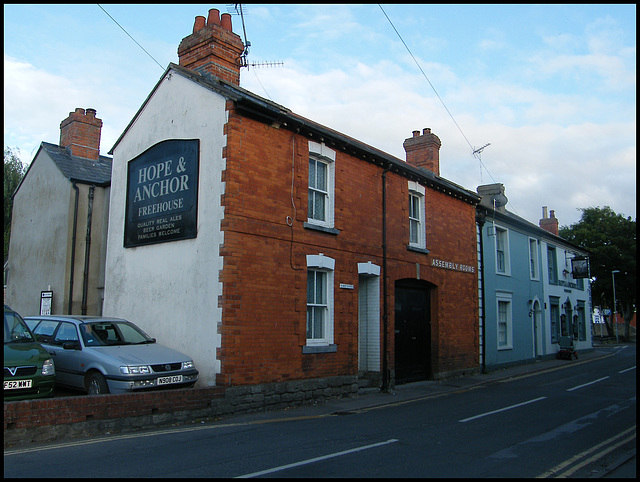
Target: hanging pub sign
{"type": "Point", "coordinates": [580, 267]}
{"type": "Point", "coordinates": [162, 193]}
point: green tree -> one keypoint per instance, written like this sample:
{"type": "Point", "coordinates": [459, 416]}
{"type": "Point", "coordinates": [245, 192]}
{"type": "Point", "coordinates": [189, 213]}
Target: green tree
{"type": "Point", "coordinates": [610, 239]}
{"type": "Point", "coordinates": [14, 171]}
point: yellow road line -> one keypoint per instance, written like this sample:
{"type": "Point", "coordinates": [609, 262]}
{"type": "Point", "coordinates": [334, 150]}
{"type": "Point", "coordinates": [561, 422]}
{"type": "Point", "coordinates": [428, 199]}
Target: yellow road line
{"type": "Point", "coordinates": [575, 458]}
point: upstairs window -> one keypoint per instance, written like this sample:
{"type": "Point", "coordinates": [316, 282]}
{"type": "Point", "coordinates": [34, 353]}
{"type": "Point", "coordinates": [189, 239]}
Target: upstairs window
{"type": "Point", "coordinates": [533, 259]}
{"type": "Point", "coordinates": [552, 265]}
{"type": "Point", "coordinates": [320, 210]}
{"type": "Point", "coordinates": [318, 190]}
{"type": "Point", "coordinates": [414, 219]}
{"type": "Point", "coordinates": [417, 237]}
{"type": "Point", "coordinates": [502, 251]}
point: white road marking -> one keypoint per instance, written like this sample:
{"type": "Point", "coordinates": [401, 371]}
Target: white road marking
{"type": "Point", "coordinates": [501, 409]}
{"type": "Point", "coordinates": [587, 384]}
{"type": "Point", "coordinates": [316, 459]}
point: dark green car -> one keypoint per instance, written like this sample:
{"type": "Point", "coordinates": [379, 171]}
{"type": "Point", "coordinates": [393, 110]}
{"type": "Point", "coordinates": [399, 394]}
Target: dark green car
{"type": "Point", "coordinates": [28, 368]}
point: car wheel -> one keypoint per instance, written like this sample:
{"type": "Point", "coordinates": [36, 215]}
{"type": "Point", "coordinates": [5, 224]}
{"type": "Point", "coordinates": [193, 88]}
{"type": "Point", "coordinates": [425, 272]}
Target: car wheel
{"type": "Point", "coordinates": [96, 384]}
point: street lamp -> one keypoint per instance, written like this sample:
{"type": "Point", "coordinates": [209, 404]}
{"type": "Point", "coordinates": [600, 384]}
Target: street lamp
{"type": "Point", "coordinates": [615, 317]}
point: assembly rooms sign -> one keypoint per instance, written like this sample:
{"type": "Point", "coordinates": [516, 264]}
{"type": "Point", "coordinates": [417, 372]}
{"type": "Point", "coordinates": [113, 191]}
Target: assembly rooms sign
{"type": "Point", "coordinates": [162, 194]}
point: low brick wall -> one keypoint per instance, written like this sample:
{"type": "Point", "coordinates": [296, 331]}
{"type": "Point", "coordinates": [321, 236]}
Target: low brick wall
{"type": "Point", "coordinates": [55, 419]}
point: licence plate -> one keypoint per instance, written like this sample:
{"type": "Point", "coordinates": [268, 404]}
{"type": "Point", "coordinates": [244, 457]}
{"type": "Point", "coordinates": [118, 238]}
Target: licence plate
{"type": "Point", "coordinates": [170, 380]}
{"type": "Point", "coordinates": [17, 384]}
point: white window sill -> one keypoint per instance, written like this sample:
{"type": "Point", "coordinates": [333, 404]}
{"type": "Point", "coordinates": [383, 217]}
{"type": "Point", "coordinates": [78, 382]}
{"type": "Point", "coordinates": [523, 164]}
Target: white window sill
{"type": "Point", "coordinates": [307, 349]}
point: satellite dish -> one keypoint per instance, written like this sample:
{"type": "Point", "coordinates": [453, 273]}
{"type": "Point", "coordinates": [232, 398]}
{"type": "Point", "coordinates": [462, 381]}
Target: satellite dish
{"type": "Point", "coordinates": [499, 200]}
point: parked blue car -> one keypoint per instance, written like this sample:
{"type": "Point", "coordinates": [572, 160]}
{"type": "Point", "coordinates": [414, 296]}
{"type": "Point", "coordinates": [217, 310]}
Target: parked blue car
{"type": "Point", "coordinates": [109, 355]}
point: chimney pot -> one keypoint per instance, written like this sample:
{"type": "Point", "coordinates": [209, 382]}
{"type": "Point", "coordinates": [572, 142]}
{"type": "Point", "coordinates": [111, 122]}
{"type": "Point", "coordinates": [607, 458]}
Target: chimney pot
{"type": "Point", "coordinates": [214, 17]}
{"type": "Point", "coordinates": [226, 22]}
{"type": "Point", "coordinates": [214, 50]}
{"type": "Point", "coordinates": [549, 223]}
{"type": "Point", "coordinates": [199, 23]}
{"type": "Point", "coordinates": [423, 151]}
{"type": "Point", "coordinates": [552, 214]}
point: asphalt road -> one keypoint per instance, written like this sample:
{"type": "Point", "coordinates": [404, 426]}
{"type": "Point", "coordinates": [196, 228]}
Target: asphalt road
{"type": "Point", "coordinates": [572, 422]}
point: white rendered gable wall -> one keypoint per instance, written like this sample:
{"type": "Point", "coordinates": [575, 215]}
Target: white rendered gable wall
{"type": "Point", "coordinates": [171, 289]}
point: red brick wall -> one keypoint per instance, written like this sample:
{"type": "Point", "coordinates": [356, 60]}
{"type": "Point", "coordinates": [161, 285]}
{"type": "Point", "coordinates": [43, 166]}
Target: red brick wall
{"type": "Point", "coordinates": [60, 411]}
{"type": "Point", "coordinates": [264, 277]}
{"type": "Point", "coordinates": [450, 237]}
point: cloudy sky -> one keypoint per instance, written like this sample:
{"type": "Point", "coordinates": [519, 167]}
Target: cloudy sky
{"type": "Point", "coordinates": [551, 88]}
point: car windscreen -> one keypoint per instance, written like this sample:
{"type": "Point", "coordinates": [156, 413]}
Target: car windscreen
{"type": "Point", "coordinates": [15, 329]}
{"type": "Point", "coordinates": [109, 333]}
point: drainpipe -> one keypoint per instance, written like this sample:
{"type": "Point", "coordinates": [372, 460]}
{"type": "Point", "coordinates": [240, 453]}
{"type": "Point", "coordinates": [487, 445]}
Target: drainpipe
{"type": "Point", "coordinates": [480, 217]}
{"type": "Point", "coordinates": [73, 246]}
{"type": "Point", "coordinates": [85, 279]}
{"type": "Point", "coordinates": [385, 314]}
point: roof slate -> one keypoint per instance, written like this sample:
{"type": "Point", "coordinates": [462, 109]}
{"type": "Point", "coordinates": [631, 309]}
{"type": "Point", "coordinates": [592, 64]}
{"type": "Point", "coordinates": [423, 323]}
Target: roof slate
{"type": "Point", "coordinates": [80, 169]}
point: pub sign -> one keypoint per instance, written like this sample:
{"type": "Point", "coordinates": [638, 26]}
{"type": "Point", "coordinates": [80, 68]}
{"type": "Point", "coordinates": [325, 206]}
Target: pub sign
{"type": "Point", "coordinates": [162, 193]}
{"type": "Point", "coordinates": [580, 267]}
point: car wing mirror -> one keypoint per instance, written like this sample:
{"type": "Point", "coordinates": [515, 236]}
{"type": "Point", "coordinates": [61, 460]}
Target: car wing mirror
{"type": "Point", "coordinates": [71, 345]}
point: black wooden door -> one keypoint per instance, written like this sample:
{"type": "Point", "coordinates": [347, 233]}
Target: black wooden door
{"type": "Point", "coordinates": [412, 332]}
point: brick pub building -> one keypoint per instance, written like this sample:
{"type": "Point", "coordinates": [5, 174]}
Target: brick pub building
{"type": "Point", "coordinates": [273, 249]}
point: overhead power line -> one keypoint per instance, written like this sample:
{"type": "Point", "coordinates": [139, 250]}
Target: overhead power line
{"type": "Point", "coordinates": [114, 20]}
{"type": "Point", "coordinates": [435, 91]}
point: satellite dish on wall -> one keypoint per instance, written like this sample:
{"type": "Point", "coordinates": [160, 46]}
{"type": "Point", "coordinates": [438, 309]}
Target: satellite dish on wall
{"type": "Point", "coordinates": [499, 200]}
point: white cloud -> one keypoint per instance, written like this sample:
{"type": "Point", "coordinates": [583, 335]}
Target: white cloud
{"type": "Point", "coordinates": [32, 96]}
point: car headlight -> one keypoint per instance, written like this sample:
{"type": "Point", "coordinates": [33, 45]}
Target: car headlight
{"type": "Point", "coordinates": [135, 370]}
{"type": "Point", "coordinates": [48, 368]}
{"type": "Point", "coordinates": [186, 365]}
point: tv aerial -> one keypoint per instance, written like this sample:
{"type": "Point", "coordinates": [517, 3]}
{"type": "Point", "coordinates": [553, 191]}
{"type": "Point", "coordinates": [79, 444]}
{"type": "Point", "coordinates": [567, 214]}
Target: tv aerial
{"type": "Point", "coordinates": [240, 9]}
{"type": "Point", "coordinates": [477, 153]}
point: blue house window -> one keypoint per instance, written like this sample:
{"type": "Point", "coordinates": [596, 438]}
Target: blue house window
{"type": "Point", "coordinates": [533, 259]}
{"type": "Point", "coordinates": [552, 265]}
{"type": "Point", "coordinates": [502, 251]}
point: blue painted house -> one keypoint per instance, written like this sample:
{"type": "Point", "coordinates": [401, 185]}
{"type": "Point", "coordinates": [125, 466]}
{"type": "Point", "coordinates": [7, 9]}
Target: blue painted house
{"type": "Point", "coordinates": [528, 296]}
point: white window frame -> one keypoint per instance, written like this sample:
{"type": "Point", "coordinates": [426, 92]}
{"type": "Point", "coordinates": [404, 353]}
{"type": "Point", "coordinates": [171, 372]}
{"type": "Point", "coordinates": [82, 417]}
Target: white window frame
{"type": "Point", "coordinates": [320, 153]}
{"type": "Point", "coordinates": [534, 263]}
{"type": "Point", "coordinates": [325, 265]}
{"type": "Point", "coordinates": [506, 299]}
{"type": "Point", "coordinates": [417, 192]}
{"type": "Point", "coordinates": [504, 233]}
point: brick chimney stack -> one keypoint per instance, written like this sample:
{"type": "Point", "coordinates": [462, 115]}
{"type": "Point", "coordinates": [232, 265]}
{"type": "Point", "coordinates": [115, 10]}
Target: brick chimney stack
{"type": "Point", "coordinates": [80, 133]}
{"type": "Point", "coordinates": [213, 48]}
{"type": "Point", "coordinates": [549, 223]}
{"type": "Point", "coordinates": [423, 151]}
